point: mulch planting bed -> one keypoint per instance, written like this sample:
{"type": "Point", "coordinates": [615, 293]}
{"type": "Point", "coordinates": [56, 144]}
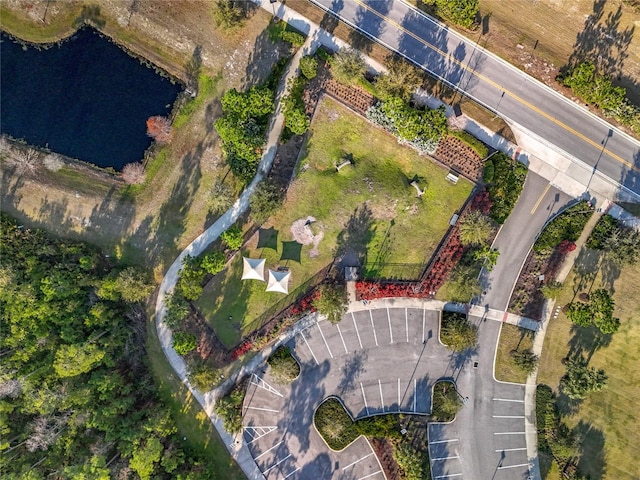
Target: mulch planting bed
{"type": "Point", "coordinates": [384, 452]}
{"type": "Point", "coordinates": [456, 154]}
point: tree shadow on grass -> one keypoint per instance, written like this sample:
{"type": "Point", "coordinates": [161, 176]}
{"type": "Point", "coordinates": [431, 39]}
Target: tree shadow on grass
{"type": "Point", "coordinates": [352, 242]}
{"type": "Point", "coordinates": [264, 55]}
{"type": "Point", "coordinates": [591, 454]}
{"type": "Point", "coordinates": [587, 340]}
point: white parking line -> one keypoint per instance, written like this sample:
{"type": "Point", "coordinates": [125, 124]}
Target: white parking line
{"type": "Point", "coordinates": [406, 323]}
{"type": "Point", "coordinates": [263, 409]}
{"type": "Point", "coordinates": [507, 400]}
{"type": "Point", "coordinates": [398, 394]}
{"type": "Point", "coordinates": [259, 432]}
{"type": "Point", "coordinates": [370, 475]}
{"type": "Point", "coordinates": [381, 399]}
{"type": "Point", "coordinates": [444, 458]}
{"type": "Point", "coordinates": [260, 383]}
{"type": "Point", "coordinates": [415, 394]}
{"type": "Point", "coordinates": [342, 338]}
{"type": "Point", "coordinates": [289, 474]}
{"type": "Point", "coordinates": [364, 398]}
{"type": "Point", "coordinates": [375, 337]}
{"type": "Point", "coordinates": [424, 317]}
{"type": "Point", "coordinates": [509, 433]}
{"type": "Point", "coordinates": [267, 451]}
{"type": "Point", "coordinates": [513, 466]}
{"type": "Point", "coordinates": [508, 416]}
{"type": "Point", "coordinates": [444, 441]}
{"type": "Point", "coordinates": [449, 475]}
{"type": "Point", "coordinates": [325, 340]}
{"type": "Point", "coordinates": [390, 331]}
{"type": "Point", "coordinates": [356, 327]}
{"type": "Point", "coordinates": [275, 464]}
{"type": "Point", "coordinates": [359, 460]}
{"type": "Point", "coordinates": [511, 449]}
{"type": "Point", "coordinates": [312, 354]}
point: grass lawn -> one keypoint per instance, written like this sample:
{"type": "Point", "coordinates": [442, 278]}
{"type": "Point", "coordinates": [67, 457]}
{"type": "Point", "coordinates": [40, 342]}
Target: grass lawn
{"type": "Point", "coordinates": [608, 422]}
{"type": "Point", "coordinates": [511, 338]}
{"type": "Point", "coordinates": [370, 210]}
{"type": "Point", "coordinates": [193, 423]}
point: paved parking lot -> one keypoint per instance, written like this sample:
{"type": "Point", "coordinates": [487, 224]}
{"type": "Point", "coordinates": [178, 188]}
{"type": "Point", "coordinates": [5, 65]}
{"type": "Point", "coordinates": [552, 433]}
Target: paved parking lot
{"type": "Point", "coordinates": [380, 361]}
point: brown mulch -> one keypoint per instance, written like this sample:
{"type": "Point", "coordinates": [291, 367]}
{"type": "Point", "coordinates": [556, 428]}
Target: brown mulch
{"type": "Point", "coordinates": [209, 347]}
{"type": "Point", "coordinates": [456, 154]}
{"type": "Point", "coordinates": [355, 98]}
{"type": "Point", "coordinates": [384, 451]}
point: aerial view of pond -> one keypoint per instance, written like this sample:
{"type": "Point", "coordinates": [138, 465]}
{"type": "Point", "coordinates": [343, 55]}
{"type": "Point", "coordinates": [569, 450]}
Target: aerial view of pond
{"type": "Point", "coordinates": [85, 98]}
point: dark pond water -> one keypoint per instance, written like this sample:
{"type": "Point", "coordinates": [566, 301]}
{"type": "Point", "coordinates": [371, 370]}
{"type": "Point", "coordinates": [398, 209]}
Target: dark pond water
{"type": "Point", "coordinates": [86, 98]}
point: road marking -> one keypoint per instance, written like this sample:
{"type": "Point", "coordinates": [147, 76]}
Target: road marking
{"type": "Point", "coordinates": [312, 354]}
{"type": "Point", "coordinates": [535, 207]}
{"type": "Point", "coordinates": [513, 466]}
{"type": "Point", "coordinates": [267, 451]}
{"type": "Point", "coordinates": [263, 409]}
{"type": "Point", "coordinates": [444, 441]}
{"type": "Point", "coordinates": [342, 338]}
{"type": "Point", "coordinates": [511, 449]}
{"type": "Point", "coordinates": [370, 475]}
{"type": "Point", "coordinates": [359, 460]}
{"type": "Point", "coordinates": [496, 85]}
{"type": "Point", "coordinates": [356, 327]}
{"type": "Point", "coordinates": [366, 407]}
{"type": "Point", "coordinates": [444, 458]}
{"type": "Point", "coordinates": [398, 394]}
{"type": "Point", "coordinates": [406, 323]}
{"type": "Point", "coordinates": [507, 400]}
{"type": "Point", "coordinates": [509, 433]}
{"type": "Point", "coordinates": [390, 331]}
{"type": "Point", "coordinates": [289, 474]}
{"type": "Point", "coordinates": [375, 337]}
{"type": "Point", "coordinates": [325, 340]}
{"type": "Point", "coordinates": [424, 318]}
{"type": "Point", "coordinates": [264, 385]}
{"type": "Point", "coordinates": [449, 475]}
{"type": "Point", "coordinates": [508, 416]}
{"type": "Point", "coordinates": [415, 394]}
{"type": "Point", "coordinates": [259, 432]}
{"type": "Point", "coordinates": [276, 464]}
{"type": "Point", "coordinates": [381, 399]}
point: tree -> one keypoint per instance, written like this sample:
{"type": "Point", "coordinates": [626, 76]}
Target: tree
{"type": "Point", "coordinates": [551, 290]}
{"type": "Point", "coordinates": [401, 80]}
{"type": "Point", "coordinates": [220, 197]}
{"type": "Point", "coordinates": [525, 360]}
{"type": "Point", "coordinates": [160, 129]}
{"type": "Point", "coordinates": [623, 246]}
{"type": "Point", "coordinates": [145, 457]}
{"type": "Point", "coordinates": [463, 283]}
{"type": "Point", "coordinates": [265, 201]}
{"type": "Point", "coordinates": [191, 276]}
{"type": "Point", "coordinates": [579, 313]}
{"type": "Point", "coordinates": [581, 379]}
{"type": "Point", "coordinates": [133, 285]}
{"type": "Point", "coordinates": [475, 229]}
{"type": "Point", "coordinates": [177, 309]}
{"type": "Point", "coordinates": [72, 360]}
{"type": "Point", "coordinates": [228, 13]}
{"type": "Point", "coordinates": [309, 67]}
{"type": "Point", "coordinates": [183, 343]}
{"type": "Point", "coordinates": [348, 66]}
{"type": "Point", "coordinates": [232, 237]}
{"type": "Point", "coordinates": [460, 12]}
{"type": "Point", "coordinates": [487, 256]}
{"type": "Point", "coordinates": [284, 368]}
{"type": "Point", "coordinates": [203, 377]}
{"type": "Point", "coordinates": [331, 301]}
{"type": "Point", "coordinates": [598, 311]}
{"type": "Point", "coordinates": [457, 333]}
{"type": "Point", "coordinates": [133, 173]}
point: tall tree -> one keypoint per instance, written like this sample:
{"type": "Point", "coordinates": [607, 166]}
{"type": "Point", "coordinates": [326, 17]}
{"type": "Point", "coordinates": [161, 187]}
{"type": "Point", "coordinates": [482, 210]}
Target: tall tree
{"type": "Point", "coordinates": [348, 66]}
{"type": "Point", "coordinates": [331, 301]}
{"type": "Point", "coordinates": [475, 228]}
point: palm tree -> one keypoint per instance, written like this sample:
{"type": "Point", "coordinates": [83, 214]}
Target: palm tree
{"type": "Point", "coordinates": [475, 229]}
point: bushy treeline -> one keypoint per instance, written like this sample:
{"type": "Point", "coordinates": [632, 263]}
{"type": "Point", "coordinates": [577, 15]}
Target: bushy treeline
{"type": "Point", "coordinates": [76, 396]}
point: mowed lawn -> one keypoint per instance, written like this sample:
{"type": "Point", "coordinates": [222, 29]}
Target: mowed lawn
{"type": "Point", "coordinates": [369, 209]}
{"type": "Point", "coordinates": [609, 421]}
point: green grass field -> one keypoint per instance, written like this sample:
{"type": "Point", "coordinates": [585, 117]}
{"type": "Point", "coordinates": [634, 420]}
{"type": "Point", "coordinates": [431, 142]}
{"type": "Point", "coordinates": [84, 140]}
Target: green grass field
{"type": "Point", "coordinates": [607, 422]}
{"type": "Point", "coordinates": [511, 338]}
{"type": "Point", "coordinates": [369, 209]}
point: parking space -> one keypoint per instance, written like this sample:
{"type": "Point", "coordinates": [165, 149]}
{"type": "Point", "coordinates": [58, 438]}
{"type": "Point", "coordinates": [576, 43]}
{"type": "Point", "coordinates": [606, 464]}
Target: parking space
{"type": "Point", "coordinates": [444, 452]}
{"type": "Point", "coordinates": [508, 422]}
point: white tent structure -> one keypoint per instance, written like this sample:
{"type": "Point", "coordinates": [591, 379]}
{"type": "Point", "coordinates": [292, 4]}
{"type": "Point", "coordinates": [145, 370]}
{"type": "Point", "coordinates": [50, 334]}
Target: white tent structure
{"type": "Point", "coordinates": [253, 269]}
{"type": "Point", "coordinates": [278, 282]}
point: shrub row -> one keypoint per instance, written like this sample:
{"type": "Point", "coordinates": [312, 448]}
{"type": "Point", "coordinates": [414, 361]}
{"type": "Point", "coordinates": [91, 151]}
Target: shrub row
{"type": "Point", "coordinates": [568, 225]}
{"type": "Point", "coordinates": [480, 148]}
{"type": "Point", "coordinates": [505, 178]}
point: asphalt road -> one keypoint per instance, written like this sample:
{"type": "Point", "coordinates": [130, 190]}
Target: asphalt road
{"type": "Point", "coordinates": [501, 87]}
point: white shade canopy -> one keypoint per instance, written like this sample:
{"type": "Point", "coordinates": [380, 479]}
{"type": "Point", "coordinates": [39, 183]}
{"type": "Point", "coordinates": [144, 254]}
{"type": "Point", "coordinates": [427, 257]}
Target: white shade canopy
{"type": "Point", "coordinates": [278, 282]}
{"type": "Point", "coordinates": [253, 269]}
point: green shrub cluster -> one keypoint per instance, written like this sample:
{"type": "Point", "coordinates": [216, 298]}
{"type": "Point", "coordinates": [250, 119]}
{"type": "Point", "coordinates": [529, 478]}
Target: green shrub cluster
{"type": "Point", "coordinates": [480, 148]}
{"type": "Point", "coordinates": [295, 117]}
{"type": "Point", "coordinates": [232, 237]}
{"type": "Point", "coordinates": [597, 311]}
{"type": "Point", "coordinates": [294, 38]}
{"type": "Point", "coordinates": [338, 429]}
{"type": "Point", "coordinates": [195, 269]}
{"type": "Point", "coordinates": [456, 332]}
{"type": "Point", "coordinates": [554, 437]}
{"type": "Point", "coordinates": [413, 462]}
{"type": "Point", "coordinates": [463, 13]}
{"type": "Point", "coordinates": [568, 225]}
{"type": "Point", "coordinates": [594, 88]}
{"type": "Point", "coordinates": [505, 178]}
{"type": "Point", "coordinates": [243, 126]}
{"type": "Point", "coordinates": [602, 232]}
{"type": "Point", "coordinates": [284, 368]}
{"type": "Point", "coordinates": [309, 67]}
{"type": "Point", "coordinates": [446, 402]}
{"type": "Point", "coordinates": [183, 343]}
{"type": "Point", "coordinates": [229, 408]}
